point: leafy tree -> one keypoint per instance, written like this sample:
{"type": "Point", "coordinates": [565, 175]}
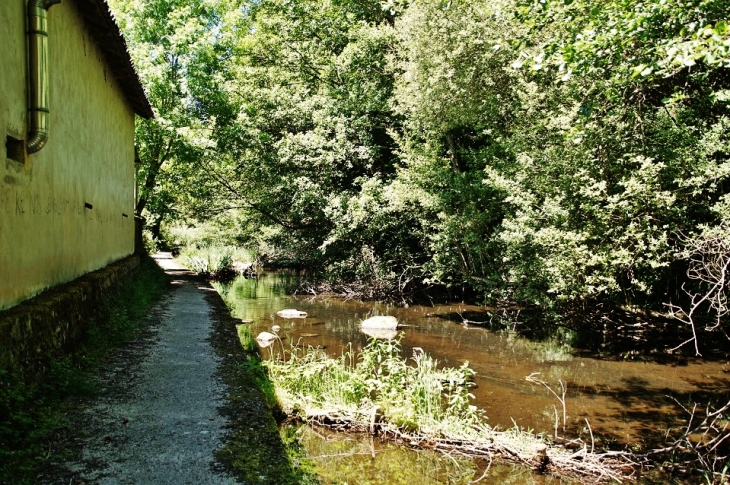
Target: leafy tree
{"type": "Point", "coordinates": [590, 170]}
{"type": "Point", "coordinates": [312, 131]}
{"type": "Point", "coordinates": [173, 45]}
{"type": "Point", "coordinates": [552, 153]}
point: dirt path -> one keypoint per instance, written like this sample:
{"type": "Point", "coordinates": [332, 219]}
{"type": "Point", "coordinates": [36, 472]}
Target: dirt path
{"type": "Point", "coordinates": [164, 415]}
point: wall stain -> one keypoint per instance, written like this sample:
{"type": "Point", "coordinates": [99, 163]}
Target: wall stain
{"type": "Point", "coordinates": [5, 199]}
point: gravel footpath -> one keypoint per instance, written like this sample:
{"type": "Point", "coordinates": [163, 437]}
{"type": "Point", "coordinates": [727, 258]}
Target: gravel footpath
{"type": "Point", "coordinates": [159, 418]}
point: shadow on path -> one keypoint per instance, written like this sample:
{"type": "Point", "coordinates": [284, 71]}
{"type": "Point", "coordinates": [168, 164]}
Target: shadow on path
{"type": "Point", "coordinates": [176, 405]}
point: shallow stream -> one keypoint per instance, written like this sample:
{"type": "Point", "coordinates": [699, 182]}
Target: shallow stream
{"type": "Point", "coordinates": [623, 402]}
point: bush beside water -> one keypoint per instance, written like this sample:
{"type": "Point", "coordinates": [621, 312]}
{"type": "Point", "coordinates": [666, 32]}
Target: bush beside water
{"type": "Point", "coordinates": [377, 382]}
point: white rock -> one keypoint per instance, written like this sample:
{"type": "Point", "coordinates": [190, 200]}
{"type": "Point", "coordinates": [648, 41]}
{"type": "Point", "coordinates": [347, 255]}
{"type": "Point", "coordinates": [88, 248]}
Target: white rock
{"type": "Point", "coordinates": [291, 313]}
{"type": "Point", "coordinates": [380, 323]}
{"type": "Point", "coordinates": [266, 337]}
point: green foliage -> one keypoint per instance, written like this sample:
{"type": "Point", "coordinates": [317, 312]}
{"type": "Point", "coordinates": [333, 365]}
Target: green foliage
{"type": "Point", "coordinates": [151, 243]}
{"type": "Point", "coordinates": [32, 412]}
{"type": "Point", "coordinates": [208, 260]}
{"type": "Point", "coordinates": [625, 40]}
{"type": "Point", "coordinates": [175, 53]}
{"type": "Point", "coordinates": [313, 121]}
{"type": "Point", "coordinates": [549, 153]}
{"type": "Point", "coordinates": [254, 367]}
{"type": "Point", "coordinates": [582, 175]}
{"type": "Point", "coordinates": [224, 230]}
{"type": "Point", "coordinates": [303, 468]}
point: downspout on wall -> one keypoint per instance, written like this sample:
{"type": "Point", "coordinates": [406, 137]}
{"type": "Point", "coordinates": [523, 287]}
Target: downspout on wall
{"type": "Point", "coordinates": [38, 73]}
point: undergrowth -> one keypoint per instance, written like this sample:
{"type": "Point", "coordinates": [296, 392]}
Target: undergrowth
{"type": "Point", "coordinates": [377, 384]}
{"type": "Point", "coordinates": [32, 411]}
{"type": "Point", "coordinates": [257, 449]}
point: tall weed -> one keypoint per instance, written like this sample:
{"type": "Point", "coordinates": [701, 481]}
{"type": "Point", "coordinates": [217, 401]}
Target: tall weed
{"type": "Point", "coordinates": [214, 260]}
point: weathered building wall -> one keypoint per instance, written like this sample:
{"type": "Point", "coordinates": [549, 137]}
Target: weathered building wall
{"type": "Point", "coordinates": [53, 324]}
{"type": "Point", "coordinates": [69, 208]}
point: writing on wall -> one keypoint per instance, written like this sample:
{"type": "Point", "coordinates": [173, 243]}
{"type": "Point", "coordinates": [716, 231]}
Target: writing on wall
{"type": "Point", "coordinates": [22, 203]}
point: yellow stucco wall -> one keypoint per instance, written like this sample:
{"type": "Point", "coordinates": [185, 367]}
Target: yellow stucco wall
{"type": "Point", "coordinates": [47, 236]}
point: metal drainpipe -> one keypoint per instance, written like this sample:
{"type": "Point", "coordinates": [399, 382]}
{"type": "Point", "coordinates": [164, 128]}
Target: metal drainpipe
{"type": "Point", "coordinates": [38, 72]}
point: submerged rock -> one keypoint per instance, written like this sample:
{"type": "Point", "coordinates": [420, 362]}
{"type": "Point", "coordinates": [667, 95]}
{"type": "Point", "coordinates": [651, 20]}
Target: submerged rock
{"type": "Point", "coordinates": [380, 323]}
{"type": "Point", "coordinates": [379, 333]}
{"type": "Point", "coordinates": [291, 313]}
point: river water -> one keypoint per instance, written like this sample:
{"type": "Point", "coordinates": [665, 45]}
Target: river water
{"type": "Point", "coordinates": [624, 403]}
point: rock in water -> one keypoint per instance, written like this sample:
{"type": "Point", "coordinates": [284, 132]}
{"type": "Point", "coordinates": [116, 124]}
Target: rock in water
{"type": "Point", "coordinates": [266, 337]}
{"type": "Point", "coordinates": [380, 323]}
{"type": "Point", "coordinates": [291, 313]}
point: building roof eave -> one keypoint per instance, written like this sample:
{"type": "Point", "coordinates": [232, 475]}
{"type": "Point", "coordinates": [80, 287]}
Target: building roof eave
{"type": "Point", "coordinates": [105, 31]}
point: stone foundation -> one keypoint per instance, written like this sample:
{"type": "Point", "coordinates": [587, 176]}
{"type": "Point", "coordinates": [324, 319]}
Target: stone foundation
{"type": "Point", "coordinates": [53, 323]}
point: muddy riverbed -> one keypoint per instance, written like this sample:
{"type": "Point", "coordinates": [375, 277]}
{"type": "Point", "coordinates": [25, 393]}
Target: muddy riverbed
{"type": "Point", "coordinates": [626, 401]}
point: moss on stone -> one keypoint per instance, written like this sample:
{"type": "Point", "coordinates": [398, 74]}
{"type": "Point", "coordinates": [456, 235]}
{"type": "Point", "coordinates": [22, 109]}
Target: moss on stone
{"type": "Point", "coordinates": [63, 353]}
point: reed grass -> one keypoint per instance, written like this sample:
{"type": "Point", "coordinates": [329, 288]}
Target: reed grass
{"type": "Point", "coordinates": [376, 382]}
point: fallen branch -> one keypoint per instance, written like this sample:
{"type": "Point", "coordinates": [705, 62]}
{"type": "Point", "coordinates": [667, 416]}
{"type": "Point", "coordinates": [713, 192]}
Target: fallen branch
{"type": "Point", "coordinates": [702, 441]}
{"type": "Point", "coordinates": [709, 264]}
{"type": "Point", "coordinates": [514, 445]}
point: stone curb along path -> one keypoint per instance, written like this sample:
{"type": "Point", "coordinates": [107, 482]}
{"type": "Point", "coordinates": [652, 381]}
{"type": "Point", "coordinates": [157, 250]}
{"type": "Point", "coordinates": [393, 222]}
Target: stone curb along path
{"type": "Point", "coordinates": [176, 406]}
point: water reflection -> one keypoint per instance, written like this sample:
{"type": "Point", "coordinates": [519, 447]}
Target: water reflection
{"type": "Point", "coordinates": [346, 458]}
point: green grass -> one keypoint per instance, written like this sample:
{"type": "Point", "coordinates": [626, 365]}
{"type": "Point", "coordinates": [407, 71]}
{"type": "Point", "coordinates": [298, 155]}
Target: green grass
{"type": "Point", "coordinates": [417, 402]}
{"type": "Point", "coordinates": [32, 412]}
{"type": "Point", "coordinates": [256, 450]}
{"type": "Point", "coordinates": [413, 397]}
{"type": "Point", "coordinates": [253, 366]}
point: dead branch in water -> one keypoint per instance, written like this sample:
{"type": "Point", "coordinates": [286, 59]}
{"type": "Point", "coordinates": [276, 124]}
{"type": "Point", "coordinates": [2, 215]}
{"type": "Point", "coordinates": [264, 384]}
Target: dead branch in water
{"type": "Point", "coordinates": [533, 379]}
{"type": "Point", "coordinates": [705, 443]}
{"type": "Point", "coordinates": [514, 445]}
{"type": "Point", "coordinates": [354, 290]}
{"type": "Point", "coordinates": [709, 267]}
